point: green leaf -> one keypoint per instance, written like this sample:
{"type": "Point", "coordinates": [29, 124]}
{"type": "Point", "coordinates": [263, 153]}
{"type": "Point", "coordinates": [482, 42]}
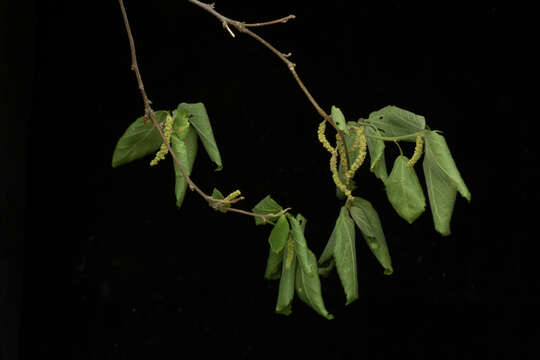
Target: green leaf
{"type": "Point", "coordinates": [286, 286]}
{"type": "Point", "coordinates": [440, 157]}
{"type": "Point", "coordinates": [266, 206]}
{"type": "Point", "coordinates": [279, 234]}
{"type": "Point", "coordinates": [367, 220]}
{"type": "Point", "coordinates": [180, 123]}
{"type": "Point", "coordinates": [273, 268]}
{"type": "Point", "coordinates": [186, 151]}
{"type": "Point", "coordinates": [345, 255]}
{"type": "Point", "coordinates": [138, 140]}
{"type": "Point", "coordinates": [376, 154]}
{"type": "Point", "coordinates": [404, 191]}
{"type": "Point", "coordinates": [339, 119]}
{"type": "Point", "coordinates": [199, 120]}
{"type": "Point", "coordinates": [302, 221]}
{"type": "Point", "coordinates": [443, 181]}
{"type": "Point", "coordinates": [397, 122]}
{"type": "Point", "coordinates": [216, 194]}
{"type": "Point", "coordinates": [300, 245]}
{"type": "Point", "coordinates": [308, 287]}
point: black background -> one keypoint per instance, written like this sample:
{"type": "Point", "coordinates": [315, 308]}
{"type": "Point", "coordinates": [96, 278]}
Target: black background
{"type": "Point", "coordinates": [110, 269]}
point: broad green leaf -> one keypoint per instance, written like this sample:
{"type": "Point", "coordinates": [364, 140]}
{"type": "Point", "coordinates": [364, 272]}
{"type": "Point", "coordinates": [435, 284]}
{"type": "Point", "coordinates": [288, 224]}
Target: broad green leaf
{"type": "Point", "coordinates": [376, 154]}
{"type": "Point", "coordinates": [404, 191]}
{"type": "Point", "coordinates": [279, 234]}
{"type": "Point", "coordinates": [442, 196]}
{"type": "Point", "coordinates": [443, 181]}
{"type": "Point", "coordinates": [199, 120]}
{"type": "Point", "coordinates": [345, 255]}
{"type": "Point", "coordinates": [440, 157]}
{"type": "Point", "coordinates": [273, 268]}
{"type": "Point", "coordinates": [286, 286]}
{"type": "Point", "coordinates": [367, 220]}
{"type": "Point", "coordinates": [339, 119]}
{"type": "Point", "coordinates": [216, 194]}
{"type": "Point", "coordinates": [186, 151]}
{"type": "Point", "coordinates": [180, 123]}
{"type": "Point", "coordinates": [397, 122]}
{"type": "Point", "coordinates": [138, 140]}
{"type": "Point", "coordinates": [300, 245]}
{"type": "Point", "coordinates": [266, 206]}
{"type": "Point", "coordinates": [308, 287]}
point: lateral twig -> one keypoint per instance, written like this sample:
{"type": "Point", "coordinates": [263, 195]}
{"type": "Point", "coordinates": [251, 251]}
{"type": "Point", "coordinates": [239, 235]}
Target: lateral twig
{"type": "Point", "coordinates": [244, 28]}
{"type": "Point", "coordinates": [149, 114]}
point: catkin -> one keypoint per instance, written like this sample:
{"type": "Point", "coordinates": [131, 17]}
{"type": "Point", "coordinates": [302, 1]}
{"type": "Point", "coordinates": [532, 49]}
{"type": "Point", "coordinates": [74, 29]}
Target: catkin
{"type": "Point", "coordinates": [362, 143]}
{"type": "Point", "coordinates": [233, 195]}
{"type": "Point", "coordinates": [335, 175]}
{"type": "Point", "coordinates": [322, 137]}
{"type": "Point", "coordinates": [418, 149]}
{"type": "Point", "coordinates": [163, 150]}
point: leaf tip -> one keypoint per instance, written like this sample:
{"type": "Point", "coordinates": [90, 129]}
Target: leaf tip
{"type": "Point", "coordinates": [389, 271]}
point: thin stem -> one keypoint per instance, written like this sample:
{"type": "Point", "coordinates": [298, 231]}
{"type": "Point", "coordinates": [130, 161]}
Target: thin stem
{"type": "Point", "coordinates": [242, 27]}
{"type": "Point", "coordinates": [272, 22]}
{"type": "Point", "coordinates": [397, 138]}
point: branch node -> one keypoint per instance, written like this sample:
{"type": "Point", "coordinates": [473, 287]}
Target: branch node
{"type": "Point", "coordinates": [226, 26]}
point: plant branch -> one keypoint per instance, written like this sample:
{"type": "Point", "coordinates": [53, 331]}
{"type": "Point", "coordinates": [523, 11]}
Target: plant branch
{"type": "Point", "coordinates": [149, 114]}
{"type": "Point", "coordinates": [244, 28]}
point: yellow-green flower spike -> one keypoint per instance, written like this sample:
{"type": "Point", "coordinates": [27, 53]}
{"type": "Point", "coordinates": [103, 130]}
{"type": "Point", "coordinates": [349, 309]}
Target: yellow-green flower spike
{"type": "Point", "coordinates": [233, 195]}
{"type": "Point", "coordinates": [341, 150]}
{"type": "Point", "coordinates": [361, 155]}
{"type": "Point", "coordinates": [322, 137]}
{"type": "Point", "coordinates": [335, 175]}
{"type": "Point", "coordinates": [418, 150]}
{"type": "Point", "coordinates": [163, 150]}
{"type": "Point", "coordinates": [290, 253]}
{"type": "Point", "coordinates": [359, 131]}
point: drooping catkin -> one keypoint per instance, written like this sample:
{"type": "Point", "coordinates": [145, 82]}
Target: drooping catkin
{"type": "Point", "coordinates": [418, 150]}
{"type": "Point", "coordinates": [335, 175]}
{"type": "Point", "coordinates": [163, 150]}
{"type": "Point", "coordinates": [322, 137]}
{"type": "Point", "coordinates": [362, 151]}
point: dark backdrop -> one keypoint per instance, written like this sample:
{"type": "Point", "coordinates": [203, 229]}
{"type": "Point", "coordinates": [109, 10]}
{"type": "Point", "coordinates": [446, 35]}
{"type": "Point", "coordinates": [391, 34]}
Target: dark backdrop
{"type": "Point", "coordinates": [113, 270]}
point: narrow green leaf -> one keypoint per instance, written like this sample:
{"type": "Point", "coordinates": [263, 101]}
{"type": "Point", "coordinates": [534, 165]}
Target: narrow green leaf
{"type": "Point", "coordinates": [273, 268]}
{"type": "Point", "coordinates": [186, 151]}
{"type": "Point", "coordinates": [367, 220]}
{"type": "Point", "coordinates": [286, 286]}
{"type": "Point", "coordinates": [279, 234]}
{"type": "Point", "coordinates": [439, 156]}
{"type": "Point", "coordinates": [397, 122]}
{"type": "Point", "coordinates": [345, 255]}
{"type": "Point", "coordinates": [200, 121]}
{"type": "Point", "coordinates": [266, 206]}
{"type": "Point", "coordinates": [138, 140]}
{"type": "Point", "coordinates": [300, 245]}
{"type": "Point", "coordinates": [339, 119]}
{"type": "Point", "coordinates": [308, 287]}
{"type": "Point", "coordinates": [376, 154]}
{"type": "Point", "coordinates": [404, 190]}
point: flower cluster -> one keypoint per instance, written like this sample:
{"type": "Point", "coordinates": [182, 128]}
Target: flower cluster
{"type": "Point", "coordinates": [163, 150]}
{"type": "Point", "coordinates": [361, 143]}
{"type": "Point", "coordinates": [418, 150]}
